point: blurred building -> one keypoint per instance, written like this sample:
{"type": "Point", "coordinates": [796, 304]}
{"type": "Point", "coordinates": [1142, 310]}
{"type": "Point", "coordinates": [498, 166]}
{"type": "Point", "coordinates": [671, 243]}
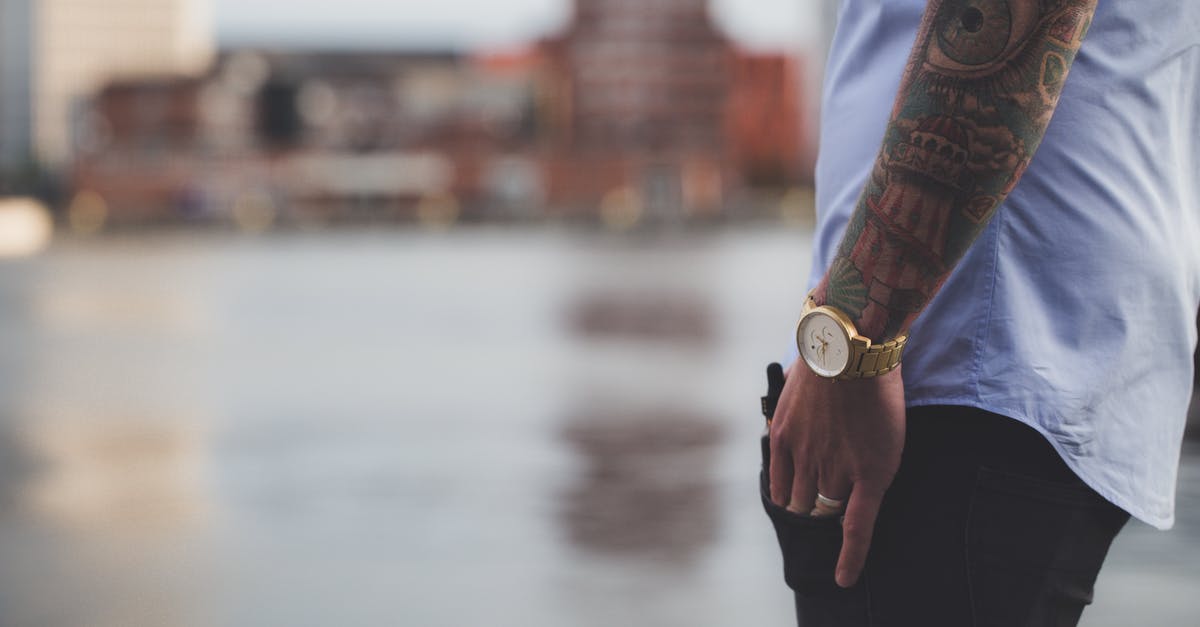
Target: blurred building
{"type": "Point", "coordinates": [767, 122]}
{"type": "Point", "coordinates": [310, 137]}
{"type": "Point", "coordinates": [636, 112]}
{"type": "Point", "coordinates": [15, 84]}
{"type": "Point", "coordinates": [76, 46]}
{"type": "Point", "coordinates": [640, 107]}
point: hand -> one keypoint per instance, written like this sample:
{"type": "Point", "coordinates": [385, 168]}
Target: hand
{"type": "Point", "coordinates": [844, 439]}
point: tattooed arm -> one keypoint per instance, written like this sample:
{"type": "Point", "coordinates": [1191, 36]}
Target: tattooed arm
{"type": "Point", "coordinates": [974, 103]}
{"type": "Point", "coordinates": [980, 87]}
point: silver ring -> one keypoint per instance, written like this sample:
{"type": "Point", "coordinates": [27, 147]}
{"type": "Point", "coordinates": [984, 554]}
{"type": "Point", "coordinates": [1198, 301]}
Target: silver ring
{"type": "Point", "coordinates": [824, 502]}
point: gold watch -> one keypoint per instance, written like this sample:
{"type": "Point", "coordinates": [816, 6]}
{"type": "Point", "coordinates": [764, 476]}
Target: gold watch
{"type": "Point", "coordinates": [830, 345]}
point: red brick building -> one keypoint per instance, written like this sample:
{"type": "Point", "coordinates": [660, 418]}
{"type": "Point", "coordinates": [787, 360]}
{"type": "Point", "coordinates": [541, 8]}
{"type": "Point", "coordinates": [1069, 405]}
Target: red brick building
{"type": "Point", "coordinates": [641, 95]}
{"type": "Point", "coordinates": [651, 100]}
{"type": "Point", "coordinates": [767, 126]}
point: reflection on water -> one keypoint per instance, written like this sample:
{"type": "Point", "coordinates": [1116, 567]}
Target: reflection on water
{"type": "Point", "coordinates": [642, 316]}
{"type": "Point", "coordinates": [97, 518]}
{"type": "Point", "coordinates": [120, 476]}
{"type": "Point", "coordinates": [525, 428]}
{"type": "Point", "coordinates": [647, 491]}
{"type": "Point", "coordinates": [17, 468]}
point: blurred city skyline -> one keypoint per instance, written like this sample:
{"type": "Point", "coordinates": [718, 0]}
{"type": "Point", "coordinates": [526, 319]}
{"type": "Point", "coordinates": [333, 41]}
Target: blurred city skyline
{"type": "Point", "coordinates": [472, 24]}
{"type": "Point", "coordinates": [613, 111]}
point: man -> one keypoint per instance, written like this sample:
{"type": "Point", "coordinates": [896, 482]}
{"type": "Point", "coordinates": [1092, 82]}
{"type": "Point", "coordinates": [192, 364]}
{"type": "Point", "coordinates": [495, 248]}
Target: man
{"type": "Point", "coordinates": [994, 366]}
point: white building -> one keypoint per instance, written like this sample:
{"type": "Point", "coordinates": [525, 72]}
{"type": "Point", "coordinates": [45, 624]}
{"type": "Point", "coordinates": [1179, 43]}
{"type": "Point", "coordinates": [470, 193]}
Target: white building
{"type": "Point", "coordinates": [79, 45]}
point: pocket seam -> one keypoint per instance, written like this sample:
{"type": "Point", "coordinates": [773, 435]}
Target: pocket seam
{"type": "Point", "coordinates": [966, 565]}
{"type": "Point", "coordinates": [1035, 488]}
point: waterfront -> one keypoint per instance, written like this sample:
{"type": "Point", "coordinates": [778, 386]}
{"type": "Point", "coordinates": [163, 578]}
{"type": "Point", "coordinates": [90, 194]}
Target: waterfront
{"type": "Point", "coordinates": [481, 426]}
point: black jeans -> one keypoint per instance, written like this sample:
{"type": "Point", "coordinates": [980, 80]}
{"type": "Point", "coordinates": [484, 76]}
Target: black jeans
{"type": "Point", "coordinates": [984, 526]}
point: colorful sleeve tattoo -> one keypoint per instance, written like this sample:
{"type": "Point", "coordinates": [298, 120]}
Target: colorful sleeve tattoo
{"type": "Point", "coordinates": [976, 98]}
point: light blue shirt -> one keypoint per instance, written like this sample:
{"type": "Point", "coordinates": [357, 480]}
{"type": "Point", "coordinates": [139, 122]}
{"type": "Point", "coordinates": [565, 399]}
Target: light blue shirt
{"type": "Point", "coordinates": [1075, 311]}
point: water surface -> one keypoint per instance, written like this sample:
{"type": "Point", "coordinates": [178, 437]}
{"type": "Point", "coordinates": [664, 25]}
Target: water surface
{"type": "Point", "coordinates": [501, 427]}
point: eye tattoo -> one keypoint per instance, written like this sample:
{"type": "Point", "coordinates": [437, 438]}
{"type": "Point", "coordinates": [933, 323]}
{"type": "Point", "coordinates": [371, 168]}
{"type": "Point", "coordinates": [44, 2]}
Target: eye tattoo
{"type": "Point", "coordinates": [972, 20]}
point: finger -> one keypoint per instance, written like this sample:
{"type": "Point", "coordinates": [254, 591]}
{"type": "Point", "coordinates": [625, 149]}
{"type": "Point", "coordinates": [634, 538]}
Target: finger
{"type": "Point", "coordinates": [780, 473]}
{"type": "Point", "coordinates": [804, 490]}
{"type": "Point", "coordinates": [831, 485]}
{"type": "Point", "coordinates": [858, 526]}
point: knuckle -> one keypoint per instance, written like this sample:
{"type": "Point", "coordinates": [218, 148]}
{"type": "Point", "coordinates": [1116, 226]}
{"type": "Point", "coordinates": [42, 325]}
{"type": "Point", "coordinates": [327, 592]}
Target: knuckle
{"type": "Point", "coordinates": [855, 531]}
{"type": "Point", "coordinates": [775, 451]}
{"type": "Point", "coordinates": [832, 473]}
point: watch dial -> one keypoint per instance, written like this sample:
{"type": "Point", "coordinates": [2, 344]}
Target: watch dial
{"type": "Point", "coordinates": [823, 344]}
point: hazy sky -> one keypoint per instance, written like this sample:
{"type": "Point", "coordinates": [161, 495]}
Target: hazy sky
{"type": "Point", "coordinates": [470, 23]}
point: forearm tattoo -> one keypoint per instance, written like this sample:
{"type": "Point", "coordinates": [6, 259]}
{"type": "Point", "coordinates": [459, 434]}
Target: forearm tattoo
{"type": "Point", "coordinates": [976, 98]}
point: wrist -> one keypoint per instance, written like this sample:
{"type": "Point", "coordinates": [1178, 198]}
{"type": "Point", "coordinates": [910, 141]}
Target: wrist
{"type": "Point", "coordinates": [831, 346]}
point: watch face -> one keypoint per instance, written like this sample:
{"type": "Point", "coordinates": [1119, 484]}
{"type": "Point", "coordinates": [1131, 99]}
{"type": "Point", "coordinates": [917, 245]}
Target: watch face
{"type": "Point", "coordinates": [823, 344]}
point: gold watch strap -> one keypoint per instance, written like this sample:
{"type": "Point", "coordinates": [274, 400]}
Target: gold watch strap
{"type": "Point", "coordinates": [876, 360]}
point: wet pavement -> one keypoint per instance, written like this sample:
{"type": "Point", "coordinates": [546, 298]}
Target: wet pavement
{"type": "Point", "coordinates": [481, 427]}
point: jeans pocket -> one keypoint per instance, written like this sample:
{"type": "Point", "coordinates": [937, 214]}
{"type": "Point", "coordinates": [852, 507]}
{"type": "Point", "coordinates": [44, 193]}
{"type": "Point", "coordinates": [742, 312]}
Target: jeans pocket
{"type": "Point", "coordinates": [810, 545]}
{"type": "Point", "coordinates": [1034, 548]}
